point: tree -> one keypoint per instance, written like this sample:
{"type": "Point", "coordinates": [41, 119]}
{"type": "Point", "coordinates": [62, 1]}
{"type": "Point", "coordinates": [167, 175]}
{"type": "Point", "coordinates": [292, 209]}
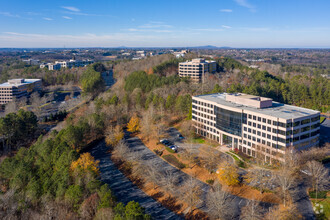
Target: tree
{"type": "Point", "coordinates": [122, 150]}
{"type": "Point", "coordinates": [288, 212]}
{"type": "Point", "coordinates": [259, 178]}
{"type": "Point", "coordinates": [286, 180]}
{"type": "Point", "coordinates": [89, 206]}
{"type": "Point", "coordinates": [252, 211]}
{"type": "Point", "coordinates": [227, 173]}
{"type": "Point", "coordinates": [219, 202]}
{"type": "Point", "coordinates": [73, 195]}
{"type": "Point", "coordinates": [191, 193]}
{"type": "Point", "coordinates": [92, 81]}
{"type": "Point", "coordinates": [147, 123]}
{"type": "Point", "coordinates": [85, 162]}
{"type": "Point", "coordinates": [134, 124]}
{"type": "Point", "coordinates": [318, 174]}
{"type": "Point", "coordinates": [113, 135]}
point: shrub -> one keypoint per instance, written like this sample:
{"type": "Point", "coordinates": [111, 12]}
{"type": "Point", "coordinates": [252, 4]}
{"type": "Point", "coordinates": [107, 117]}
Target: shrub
{"type": "Point", "coordinates": [210, 181]}
{"type": "Point", "coordinates": [169, 150]}
{"type": "Point", "coordinates": [158, 152]}
{"type": "Point", "coordinates": [320, 194]}
{"type": "Point", "coordinates": [173, 160]}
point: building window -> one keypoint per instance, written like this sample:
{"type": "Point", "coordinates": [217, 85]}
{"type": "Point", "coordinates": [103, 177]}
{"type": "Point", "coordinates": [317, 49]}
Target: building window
{"type": "Point", "coordinates": [259, 119]}
{"type": "Point", "coordinates": [254, 124]}
{"type": "Point", "coordinates": [254, 117]}
{"type": "Point", "coordinates": [269, 121]}
{"type": "Point", "coordinates": [263, 120]}
{"type": "Point", "coordinates": [264, 127]}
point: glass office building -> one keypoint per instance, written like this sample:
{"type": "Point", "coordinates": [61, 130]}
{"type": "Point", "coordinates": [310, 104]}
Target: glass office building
{"type": "Point", "coordinates": [255, 125]}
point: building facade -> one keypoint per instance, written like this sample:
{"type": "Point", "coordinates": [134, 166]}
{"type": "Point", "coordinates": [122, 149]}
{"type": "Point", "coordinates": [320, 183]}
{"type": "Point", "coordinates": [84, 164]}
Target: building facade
{"type": "Point", "coordinates": [17, 88]}
{"type": "Point", "coordinates": [196, 69]}
{"type": "Point", "coordinates": [257, 126]}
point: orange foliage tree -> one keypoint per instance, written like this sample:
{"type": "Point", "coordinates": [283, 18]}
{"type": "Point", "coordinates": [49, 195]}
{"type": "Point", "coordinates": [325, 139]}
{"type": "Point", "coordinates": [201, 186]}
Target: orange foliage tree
{"type": "Point", "coordinates": [86, 162]}
{"type": "Point", "coordinates": [133, 124]}
{"type": "Point", "coordinates": [113, 135]}
{"type": "Point", "coordinates": [227, 173]}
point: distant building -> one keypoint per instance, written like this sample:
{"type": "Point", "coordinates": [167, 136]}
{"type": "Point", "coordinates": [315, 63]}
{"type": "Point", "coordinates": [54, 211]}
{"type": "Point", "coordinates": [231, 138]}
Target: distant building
{"type": "Point", "coordinates": [196, 69]}
{"type": "Point", "coordinates": [179, 54]}
{"type": "Point", "coordinates": [17, 88]}
{"type": "Point", "coordinates": [31, 62]}
{"type": "Point", "coordinates": [257, 126]}
{"type": "Point", "coordinates": [66, 64]}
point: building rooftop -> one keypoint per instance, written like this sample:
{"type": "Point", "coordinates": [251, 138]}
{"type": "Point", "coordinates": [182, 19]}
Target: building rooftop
{"type": "Point", "coordinates": [276, 109]}
{"type": "Point", "coordinates": [18, 82]}
{"type": "Point", "coordinates": [198, 60]}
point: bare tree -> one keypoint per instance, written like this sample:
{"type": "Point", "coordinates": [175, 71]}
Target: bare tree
{"type": "Point", "coordinates": [286, 180]}
{"type": "Point", "coordinates": [219, 202]}
{"type": "Point", "coordinates": [147, 123]}
{"type": "Point", "coordinates": [153, 175]}
{"type": "Point", "coordinates": [121, 149]}
{"type": "Point", "coordinates": [191, 192]}
{"type": "Point", "coordinates": [286, 213]}
{"type": "Point", "coordinates": [260, 178]}
{"type": "Point", "coordinates": [319, 175]}
{"type": "Point", "coordinates": [251, 211]}
{"type": "Point", "coordinates": [210, 158]}
{"type": "Point", "coordinates": [169, 181]}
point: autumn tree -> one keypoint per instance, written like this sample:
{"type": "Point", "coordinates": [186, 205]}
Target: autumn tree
{"type": "Point", "coordinates": [134, 124]}
{"type": "Point", "coordinates": [113, 135]}
{"type": "Point", "coordinates": [86, 162]}
{"type": "Point", "coordinates": [259, 178]}
{"type": "Point", "coordinates": [288, 212]}
{"type": "Point", "coordinates": [228, 173]}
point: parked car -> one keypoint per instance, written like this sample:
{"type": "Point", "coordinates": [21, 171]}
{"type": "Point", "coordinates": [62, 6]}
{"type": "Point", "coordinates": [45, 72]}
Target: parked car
{"type": "Point", "coordinates": [175, 148]}
{"type": "Point", "coordinates": [180, 136]}
{"type": "Point", "coordinates": [165, 142]}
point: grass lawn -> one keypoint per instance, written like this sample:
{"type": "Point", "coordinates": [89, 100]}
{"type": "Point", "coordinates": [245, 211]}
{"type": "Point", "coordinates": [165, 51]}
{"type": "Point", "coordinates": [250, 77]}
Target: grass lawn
{"type": "Point", "coordinates": [325, 206]}
{"type": "Point", "coordinates": [198, 140]}
{"type": "Point", "coordinates": [322, 119]}
{"type": "Point", "coordinates": [238, 161]}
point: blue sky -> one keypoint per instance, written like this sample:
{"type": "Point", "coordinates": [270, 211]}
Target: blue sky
{"type": "Point", "coordinates": [170, 23]}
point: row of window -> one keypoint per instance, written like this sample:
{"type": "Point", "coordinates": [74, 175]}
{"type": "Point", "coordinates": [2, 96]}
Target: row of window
{"type": "Point", "coordinates": [202, 109]}
{"type": "Point", "coordinates": [201, 103]}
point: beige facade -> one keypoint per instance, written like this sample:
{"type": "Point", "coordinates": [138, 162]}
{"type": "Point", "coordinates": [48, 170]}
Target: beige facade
{"type": "Point", "coordinates": [196, 69]}
{"type": "Point", "coordinates": [259, 131]}
{"type": "Point", "coordinates": [66, 64]}
{"type": "Point", "coordinates": [17, 88]}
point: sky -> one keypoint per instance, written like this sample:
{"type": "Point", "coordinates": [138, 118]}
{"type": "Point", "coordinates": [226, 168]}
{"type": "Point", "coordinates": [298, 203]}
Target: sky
{"type": "Point", "coordinates": [165, 23]}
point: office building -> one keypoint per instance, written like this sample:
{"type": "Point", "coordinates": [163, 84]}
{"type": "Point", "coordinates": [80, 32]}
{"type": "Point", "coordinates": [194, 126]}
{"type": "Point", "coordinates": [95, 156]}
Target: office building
{"type": "Point", "coordinates": [17, 88]}
{"type": "Point", "coordinates": [257, 126]}
{"type": "Point", "coordinates": [196, 69]}
{"type": "Point", "coordinates": [66, 64]}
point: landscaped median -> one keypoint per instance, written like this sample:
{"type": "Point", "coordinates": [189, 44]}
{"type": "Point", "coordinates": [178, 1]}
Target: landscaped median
{"type": "Point", "coordinates": [193, 168]}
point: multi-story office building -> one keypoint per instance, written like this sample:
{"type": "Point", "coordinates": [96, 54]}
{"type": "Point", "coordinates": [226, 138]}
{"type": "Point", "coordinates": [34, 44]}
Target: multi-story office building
{"type": "Point", "coordinates": [66, 64]}
{"type": "Point", "coordinates": [196, 69]}
{"type": "Point", "coordinates": [255, 125]}
{"type": "Point", "coordinates": [17, 88]}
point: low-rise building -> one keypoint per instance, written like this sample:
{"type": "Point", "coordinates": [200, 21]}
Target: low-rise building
{"type": "Point", "coordinates": [257, 126]}
{"type": "Point", "coordinates": [196, 69]}
{"type": "Point", "coordinates": [17, 88]}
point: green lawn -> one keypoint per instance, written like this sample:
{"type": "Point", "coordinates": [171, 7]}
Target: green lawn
{"type": "Point", "coordinates": [325, 205]}
{"type": "Point", "coordinates": [198, 140]}
{"type": "Point", "coordinates": [322, 119]}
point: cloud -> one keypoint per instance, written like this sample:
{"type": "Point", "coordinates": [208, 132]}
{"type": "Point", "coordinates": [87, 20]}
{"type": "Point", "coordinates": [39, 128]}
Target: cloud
{"type": "Point", "coordinates": [256, 28]}
{"type": "Point", "coordinates": [226, 10]}
{"type": "Point", "coordinates": [246, 4]}
{"type": "Point", "coordinates": [70, 8]}
{"type": "Point", "coordinates": [48, 19]}
{"type": "Point", "coordinates": [15, 39]}
{"type": "Point", "coordinates": [156, 24]}
{"type": "Point", "coordinates": [67, 17]}
{"type": "Point", "coordinates": [226, 26]}
{"type": "Point", "coordinates": [8, 14]}
{"type": "Point", "coordinates": [206, 29]}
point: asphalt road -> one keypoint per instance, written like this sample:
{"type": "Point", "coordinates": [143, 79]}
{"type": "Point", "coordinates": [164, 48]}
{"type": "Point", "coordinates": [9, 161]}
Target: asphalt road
{"type": "Point", "coordinates": [236, 203]}
{"type": "Point", "coordinates": [124, 189]}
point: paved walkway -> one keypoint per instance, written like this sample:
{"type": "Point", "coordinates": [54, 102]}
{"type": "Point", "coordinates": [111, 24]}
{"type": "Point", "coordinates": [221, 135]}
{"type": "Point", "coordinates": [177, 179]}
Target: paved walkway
{"type": "Point", "coordinates": [124, 189]}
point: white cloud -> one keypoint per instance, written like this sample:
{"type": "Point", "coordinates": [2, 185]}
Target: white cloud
{"type": "Point", "coordinates": [8, 14]}
{"type": "Point", "coordinates": [14, 39]}
{"type": "Point", "coordinates": [70, 8]}
{"type": "Point", "coordinates": [226, 26]}
{"type": "Point", "coordinates": [206, 29]}
{"type": "Point", "coordinates": [67, 17]}
{"type": "Point", "coordinates": [226, 10]}
{"type": "Point", "coordinates": [48, 19]}
{"type": "Point", "coordinates": [246, 4]}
